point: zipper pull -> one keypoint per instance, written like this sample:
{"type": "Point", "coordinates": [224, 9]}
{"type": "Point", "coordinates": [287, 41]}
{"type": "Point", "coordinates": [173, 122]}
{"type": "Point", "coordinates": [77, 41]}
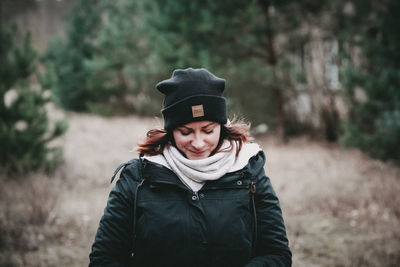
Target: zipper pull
{"type": "Point", "coordinates": [253, 188]}
{"type": "Point", "coordinates": [195, 196]}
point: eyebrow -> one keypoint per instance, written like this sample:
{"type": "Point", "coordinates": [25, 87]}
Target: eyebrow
{"type": "Point", "coordinates": [205, 126]}
{"type": "Point", "coordinates": [211, 123]}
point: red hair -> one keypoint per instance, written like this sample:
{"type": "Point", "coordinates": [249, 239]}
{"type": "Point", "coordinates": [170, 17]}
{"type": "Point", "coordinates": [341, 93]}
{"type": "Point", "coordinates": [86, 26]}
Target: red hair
{"type": "Point", "coordinates": [235, 132]}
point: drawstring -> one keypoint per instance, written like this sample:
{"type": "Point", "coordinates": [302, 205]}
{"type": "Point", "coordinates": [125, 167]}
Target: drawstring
{"type": "Point", "coordinates": [134, 218]}
{"type": "Point", "coordinates": [135, 204]}
{"type": "Point", "coordinates": [253, 192]}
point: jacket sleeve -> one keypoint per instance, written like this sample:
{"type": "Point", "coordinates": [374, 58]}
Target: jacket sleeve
{"type": "Point", "coordinates": [113, 240]}
{"type": "Point", "coordinates": [272, 247]}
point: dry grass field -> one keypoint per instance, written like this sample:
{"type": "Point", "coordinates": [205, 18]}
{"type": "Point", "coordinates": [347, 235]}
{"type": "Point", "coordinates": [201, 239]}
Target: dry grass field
{"type": "Point", "coordinates": [341, 208]}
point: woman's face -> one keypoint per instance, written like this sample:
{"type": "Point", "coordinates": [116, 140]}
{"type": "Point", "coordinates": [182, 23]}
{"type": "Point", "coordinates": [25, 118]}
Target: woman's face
{"type": "Point", "coordinates": [197, 140]}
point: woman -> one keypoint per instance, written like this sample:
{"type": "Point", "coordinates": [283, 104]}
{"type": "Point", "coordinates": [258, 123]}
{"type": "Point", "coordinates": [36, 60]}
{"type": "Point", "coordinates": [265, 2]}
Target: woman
{"type": "Point", "coordinates": [199, 196]}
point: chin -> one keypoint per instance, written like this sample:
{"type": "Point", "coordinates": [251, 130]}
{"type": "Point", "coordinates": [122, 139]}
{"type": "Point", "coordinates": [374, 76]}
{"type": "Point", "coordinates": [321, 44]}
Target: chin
{"type": "Point", "coordinates": [199, 156]}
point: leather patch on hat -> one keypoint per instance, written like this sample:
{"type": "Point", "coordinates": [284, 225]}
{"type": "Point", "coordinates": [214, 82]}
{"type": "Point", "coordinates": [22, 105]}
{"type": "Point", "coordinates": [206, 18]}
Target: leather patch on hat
{"type": "Point", "coordinates": [197, 111]}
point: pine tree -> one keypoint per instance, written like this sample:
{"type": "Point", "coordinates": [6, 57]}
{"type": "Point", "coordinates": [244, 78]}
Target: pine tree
{"type": "Point", "coordinates": [67, 58]}
{"type": "Point", "coordinates": [103, 59]}
{"type": "Point", "coordinates": [372, 80]}
{"type": "Point", "coordinates": [24, 125]}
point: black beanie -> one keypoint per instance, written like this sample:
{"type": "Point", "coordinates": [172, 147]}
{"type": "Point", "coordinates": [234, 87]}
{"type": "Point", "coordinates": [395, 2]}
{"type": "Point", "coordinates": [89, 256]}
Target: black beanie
{"type": "Point", "coordinates": [192, 95]}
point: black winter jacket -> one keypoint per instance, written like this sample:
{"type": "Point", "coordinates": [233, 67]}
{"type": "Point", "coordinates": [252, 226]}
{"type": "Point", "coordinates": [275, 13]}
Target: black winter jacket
{"type": "Point", "coordinates": [175, 226]}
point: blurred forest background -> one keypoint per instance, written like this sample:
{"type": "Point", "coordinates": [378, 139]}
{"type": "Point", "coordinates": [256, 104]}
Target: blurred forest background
{"type": "Point", "coordinates": [319, 81]}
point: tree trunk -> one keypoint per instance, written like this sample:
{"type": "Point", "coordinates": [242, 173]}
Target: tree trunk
{"type": "Point", "coordinates": [280, 113]}
{"type": "Point", "coordinates": [272, 61]}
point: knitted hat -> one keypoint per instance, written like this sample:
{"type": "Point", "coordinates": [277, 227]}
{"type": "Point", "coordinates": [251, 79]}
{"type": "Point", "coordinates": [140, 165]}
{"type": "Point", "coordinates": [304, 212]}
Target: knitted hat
{"type": "Point", "coordinates": [192, 95]}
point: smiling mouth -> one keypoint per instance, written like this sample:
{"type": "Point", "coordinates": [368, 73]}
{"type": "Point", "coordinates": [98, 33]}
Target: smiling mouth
{"type": "Point", "coordinates": [198, 152]}
{"type": "Point", "coordinates": [201, 152]}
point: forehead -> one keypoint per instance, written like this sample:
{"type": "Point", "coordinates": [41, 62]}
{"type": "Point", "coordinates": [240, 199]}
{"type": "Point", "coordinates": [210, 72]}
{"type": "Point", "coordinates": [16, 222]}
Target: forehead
{"type": "Point", "coordinates": [199, 124]}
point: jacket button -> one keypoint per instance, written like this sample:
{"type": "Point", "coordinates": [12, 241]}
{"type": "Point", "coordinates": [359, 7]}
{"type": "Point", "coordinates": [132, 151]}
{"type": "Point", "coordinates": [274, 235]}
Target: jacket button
{"type": "Point", "coordinates": [239, 182]}
{"type": "Point", "coordinates": [194, 198]}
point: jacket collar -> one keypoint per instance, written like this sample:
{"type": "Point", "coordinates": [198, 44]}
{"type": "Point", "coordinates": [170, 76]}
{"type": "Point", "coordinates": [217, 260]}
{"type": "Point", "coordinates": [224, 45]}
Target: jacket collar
{"type": "Point", "coordinates": [157, 173]}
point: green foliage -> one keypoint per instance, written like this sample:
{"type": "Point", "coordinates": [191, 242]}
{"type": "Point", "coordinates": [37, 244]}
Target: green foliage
{"type": "Point", "coordinates": [68, 59]}
{"type": "Point", "coordinates": [249, 94]}
{"type": "Point", "coordinates": [374, 120]}
{"type": "Point", "coordinates": [103, 64]}
{"type": "Point", "coordinates": [24, 125]}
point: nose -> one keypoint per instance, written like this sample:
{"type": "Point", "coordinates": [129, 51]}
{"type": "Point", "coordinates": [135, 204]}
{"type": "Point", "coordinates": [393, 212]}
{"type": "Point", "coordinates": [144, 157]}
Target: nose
{"type": "Point", "coordinates": [198, 142]}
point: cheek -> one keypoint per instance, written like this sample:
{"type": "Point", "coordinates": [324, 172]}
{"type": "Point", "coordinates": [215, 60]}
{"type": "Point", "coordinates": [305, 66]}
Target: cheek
{"type": "Point", "coordinates": [214, 139]}
{"type": "Point", "coordinates": [180, 140]}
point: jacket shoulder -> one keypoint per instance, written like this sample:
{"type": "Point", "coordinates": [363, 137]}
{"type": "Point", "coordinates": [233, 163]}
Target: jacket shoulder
{"type": "Point", "coordinates": [256, 163]}
{"type": "Point", "coordinates": [130, 169]}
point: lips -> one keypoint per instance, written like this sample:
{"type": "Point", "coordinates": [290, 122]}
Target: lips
{"type": "Point", "coordinates": [198, 153]}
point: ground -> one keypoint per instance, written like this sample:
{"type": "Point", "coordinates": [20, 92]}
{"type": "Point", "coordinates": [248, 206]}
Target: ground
{"type": "Point", "coordinates": [341, 207]}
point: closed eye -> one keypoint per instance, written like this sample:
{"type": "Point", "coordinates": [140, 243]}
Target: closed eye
{"type": "Point", "coordinates": [185, 133]}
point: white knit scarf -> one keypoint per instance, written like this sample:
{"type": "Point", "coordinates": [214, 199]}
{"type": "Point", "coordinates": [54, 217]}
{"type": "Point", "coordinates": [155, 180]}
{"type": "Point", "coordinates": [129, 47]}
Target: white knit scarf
{"type": "Point", "coordinates": [194, 173]}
